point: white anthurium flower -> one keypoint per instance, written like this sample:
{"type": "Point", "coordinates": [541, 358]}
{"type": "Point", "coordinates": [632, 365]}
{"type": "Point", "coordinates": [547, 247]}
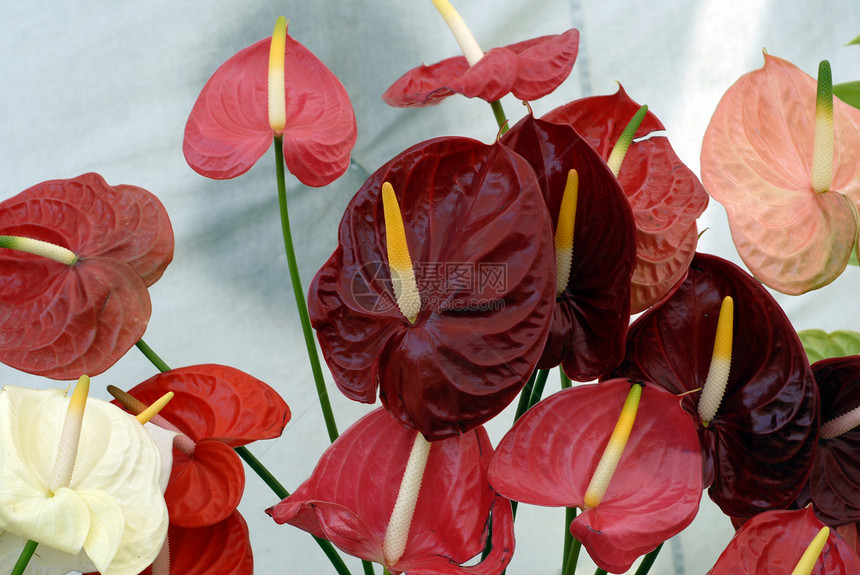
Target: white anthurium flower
{"type": "Point", "coordinates": [108, 514]}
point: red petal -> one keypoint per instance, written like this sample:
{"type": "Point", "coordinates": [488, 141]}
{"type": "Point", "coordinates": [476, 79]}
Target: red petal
{"type": "Point", "coordinates": [217, 402]}
{"type": "Point", "coordinates": [470, 210]}
{"type": "Point", "coordinates": [60, 321]}
{"type": "Point", "coordinates": [665, 195]}
{"type": "Point", "coordinates": [228, 129]}
{"type": "Point", "coordinates": [773, 542]}
{"type": "Point", "coordinates": [549, 456]}
{"type": "Point", "coordinates": [349, 498]}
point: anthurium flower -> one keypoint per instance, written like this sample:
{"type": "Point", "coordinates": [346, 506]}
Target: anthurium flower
{"type": "Point", "coordinates": [216, 408]}
{"type": "Point", "coordinates": [757, 448]}
{"type": "Point", "coordinates": [776, 542]}
{"type": "Point", "coordinates": [482, 271]}
{"type": "Point", "coordinates": [73, 279]}
{"type": "Point", "coordinates": [350, 496]}
{"type": "Point", "coordinates": [665, 195]}
{"type": "Point", "coordinates": [99, 506]}
{"type": "Point", "coordinates": [794, 225]}
{"type": "Point", "coordinates": [231, 127]}
{"type": "Point", "coordinates": [592, 309]}
{"type": "Point", "coordinates": [553, 451]}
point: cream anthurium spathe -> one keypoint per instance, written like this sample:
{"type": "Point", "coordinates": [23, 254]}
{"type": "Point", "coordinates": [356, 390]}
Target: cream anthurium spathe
{"type": "Point", "coordinates": [108, 514]}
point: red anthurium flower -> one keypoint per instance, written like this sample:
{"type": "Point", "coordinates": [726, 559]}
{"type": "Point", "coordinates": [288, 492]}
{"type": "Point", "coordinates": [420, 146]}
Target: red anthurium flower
{"type": "Point", "coordinates": [76, 303]}
{"type": "Point", "coordinates": [665, 195]}
{"type": "Point", "coordinates": [775, 541]}
{"type": "Point", "coordinates": [758, 447]}
{"type": "Point", "coordinates": [787, 170]}
{"type": "Point", "coordinates": [481, 251]}
{"type": "Point", "coordinates": [350, 497]}
{"type": "Point", "coordinates": [229, 127]}
{"type": "Point", "coordinates": [529, 70]}
{"type": "Point", "coordinates": [550, 456]}
{"type": "Point", "coordinates": [217, 408]}
{"type": "Point", "coordinates": [592, 307]}
{"type": "Point", "coordinates": [834, 482]}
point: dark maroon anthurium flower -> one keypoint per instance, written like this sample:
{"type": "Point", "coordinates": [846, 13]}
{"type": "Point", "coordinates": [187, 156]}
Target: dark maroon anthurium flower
{"type": "Point", "coordinates": [550, 456]}
{"type": "Point", "coordinates": [665, 195]}
{"type": "Point", "coordinates": [78, 313]}
{"type": "Point", "coordinates": [529, 70]}
{"type": "Point", "coordinates": [350, 497]}
{"type": "Point", "coordinates": [834, 482]}
{"type": "Point", "coordinates": [592, 308]}
{"type": "Point", "coordinates": [229, 127]}
{"type": "Point", "coordinates": [217, 408]}
{"type": "Point", "coordinates": [775, 541]}
{"type": "Point", "coordinates": [481, 249]}
{"type": "Point", "coordinates": [757, 449]}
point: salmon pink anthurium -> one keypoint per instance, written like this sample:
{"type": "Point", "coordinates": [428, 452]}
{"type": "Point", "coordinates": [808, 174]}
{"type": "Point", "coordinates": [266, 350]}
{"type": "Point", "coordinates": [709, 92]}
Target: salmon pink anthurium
{"type": "Point", "coordinates": [775, 541]}
{"type": "Point", "coordinates": [592, 307]}
{"type": "Point", "coordinates": [350, 496]}
{"type": "Point", "coordinates": [794, 225]}
{"type": "Point", "coordinates": [550, 456]}
{"type": "Point", "coordinates": [757, 449]}
{"type": "Point", "coordinates": [217, 408]}
{"type": "Point", "coordinates": [665, 195]}
{"type": "Point", "coordinates": [81, 311]}
{"type": "Point", "coordinates": [480, 242]}
{"type": "Point", "coordinates": [229, 127]}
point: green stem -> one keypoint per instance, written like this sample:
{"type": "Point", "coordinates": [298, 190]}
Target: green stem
{"type": "Point", "coordinates": [540, 383]}
{"type": "Point", "coordinates": [525, 396]}
{"type": "Point", "coordinates": [24, 558]}
{"type": "Point", "coordinates": [648, 561]}
{"type": "Point", "coordinates": [600, 571]}
{"type": "Point", "coordinates": [152, 356]}
{"type": "Point", "coordinates": [569, 516]}
{"type": "Point", "coordinates": [572, 558]}
{"type": "Point", "coordinates": [261, 470]}
{"type": "Point", "coordinates": [501, 119]}
{"type": "Point", "coordinates": [565, 381]}
{"type": "Point", "coordinates": [368, 567]}
{"type": "Point", "coordinates": [299, 293]}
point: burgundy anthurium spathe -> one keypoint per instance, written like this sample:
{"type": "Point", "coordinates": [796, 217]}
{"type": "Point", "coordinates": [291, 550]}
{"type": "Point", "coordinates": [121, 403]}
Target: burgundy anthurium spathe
{"type": "Point", "coordinates": [60, 319]}
{"type": "Point", "coordinates": [218, 408]}
{"type": "Point", "coordinates": [229, 127]}
{"type": "Point", "coordinates": [529, 70]}
{"type": "Point", "coordinates": [481, 248]}
{"type": "Point", "coordinates": [774, 542]}
{"type": "Point", "coordinates": [350, 496]}
{"type": "Point", "coordinates": [758, 447]}
{"type": "Point", "coordinates": [666, 196]}
{"type": "Point", "coordinates": [550, 455]}
{"type": "Point", "coordinates": [592, 309]}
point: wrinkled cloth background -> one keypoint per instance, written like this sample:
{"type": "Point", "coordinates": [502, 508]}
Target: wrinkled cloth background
{"type": "Point", "coordinates": [107, 87]}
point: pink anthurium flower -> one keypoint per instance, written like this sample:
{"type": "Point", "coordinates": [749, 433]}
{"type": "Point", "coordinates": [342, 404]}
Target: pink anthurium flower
{"type": "Point", "coordinates": [451, 347]}
{"type": "Point", "coordinates": [230, 128]}
{"type": "Point", "coordinates": [553, 451]}
{"type": "Point", "coordinates": [350, 496]}
{"type": "Point", "coordinates": [775, 542]}
{"type": "Point", "coordinates": [757, 447]}
{"type": "Point", "coordinates": [216, 408]}
{"type": "Point", "coordinates": [794, 225]}
{"type": "Point", "coordinates": [665, 195]}
{"type": "Point", "coordinates": [73, 280]}
{"type": "Point", "coordinates": [594, 261]}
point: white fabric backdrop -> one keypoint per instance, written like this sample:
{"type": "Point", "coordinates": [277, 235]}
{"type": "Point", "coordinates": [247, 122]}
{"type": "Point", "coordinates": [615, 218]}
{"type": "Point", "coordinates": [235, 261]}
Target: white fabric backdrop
{"type": "Point", "coordinates": [107, 87]}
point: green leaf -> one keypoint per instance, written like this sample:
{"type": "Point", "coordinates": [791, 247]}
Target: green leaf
{"type": "Point", "coordinates": [854, 41]}
{"type": "Point", "coordinates": [822, 345]}
{"type": "Point", "coordinates": [848, 92]}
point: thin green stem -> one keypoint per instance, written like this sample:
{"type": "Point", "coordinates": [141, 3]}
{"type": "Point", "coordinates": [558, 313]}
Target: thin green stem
{"type": "Point", "coordinates": [648, 561]}
{"type": "Point", "coordinates": [565, 381]}
{"type": "Point", "coordinates": [152, 356]}
{"type": "Point", "coordinates": [569, 516]}
{"type": "Point", "coordinates": [385, 570]}
{"type": "Point", "coordinates": [572, 558]}
{"type": "Point", "coordinates": [501, 119]}
{"type": "Point", "coordinates": [299, 293]}
{"type": "Point", "coordinates": [540, 383]}
{"type": "Point", "coordinates": [368, 567]}
{"type": "Point", "coordinates": [24, 558]}
{"type": "Point", "coordinates": [261, 470]}
{"type": "Point", "coordinates": [600, 571]}
{"type": "Point", "coordinates": [525, 396]}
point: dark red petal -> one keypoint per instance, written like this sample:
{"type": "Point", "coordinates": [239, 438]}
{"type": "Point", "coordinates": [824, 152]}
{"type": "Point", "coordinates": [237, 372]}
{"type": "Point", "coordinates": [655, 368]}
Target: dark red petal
{"type": "Point", "coordinates": [228, 129]}
{"type": "Point", "coordinates": [587, 335]}
{"type": "Point", "coordinates": [481, 245]}
{"type": "Point", "coordinates": [549, 457]}
{"type": "Point", "coordinates": [763, 437]}
{"type": "Point", "coordinates": [350, 495]}
{"type": "Point", "coordinates": [774, 541]}
{"type": "Point", "coordinates": [217, 402]}
{"type": "Point", "coordinates": [665, 195]}
{"type": "Point", "coordinates": [206, 487]}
